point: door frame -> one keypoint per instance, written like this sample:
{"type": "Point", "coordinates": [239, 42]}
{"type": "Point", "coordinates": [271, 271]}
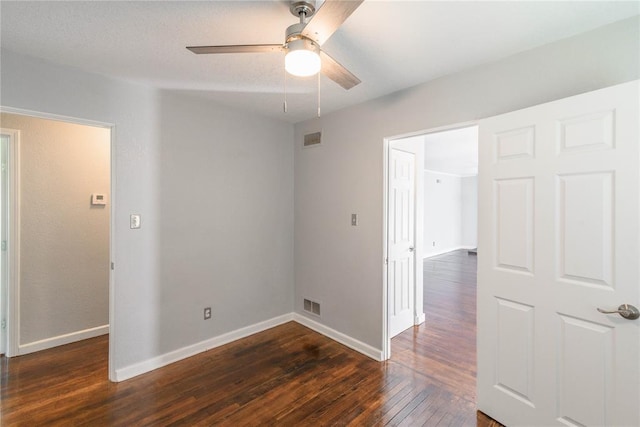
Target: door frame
{"type": "Point", "coordinates": [14, 229]}
{"type": "Point", "coordinates": [419, 315]}
{"type": "Point", "coordinates": [13, 238]}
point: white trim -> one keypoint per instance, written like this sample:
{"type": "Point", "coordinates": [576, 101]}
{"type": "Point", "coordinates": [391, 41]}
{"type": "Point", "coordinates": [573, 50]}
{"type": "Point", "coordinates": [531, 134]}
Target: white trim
{"type": "Point", "coordinates": [386, 340]}
{"type": "Point", "coordinates": [112, 257]}
{"type": "Point", "coordinates": [7, 216]}
{"type": "Point", "coordinates": [191, 350]}
{"type": "Point", "coordinates": [433, 130]}
{"type": "Point", "coordinates": [457, 175]}
{"type": "Point", "coordinates": [14, 247]}
{"type": "Point", "coordinates": [148, 365]}
{"type": "Point", "coordinates": [58, 117]}
{"type": "Point", "coordinates": [63, 339]}
{"type": "Point", "coordinates": [446, 251]}
{"type": "Point", "coordinates": [418, 229]}
{"type": "Point", "coordinates": [352, 343]}
{"type": "Point", "coordinates": [13, 243]}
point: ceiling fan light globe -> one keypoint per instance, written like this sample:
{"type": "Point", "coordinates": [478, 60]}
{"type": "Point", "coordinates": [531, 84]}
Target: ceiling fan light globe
{"type": "Point", "coordinates": [302, 63]}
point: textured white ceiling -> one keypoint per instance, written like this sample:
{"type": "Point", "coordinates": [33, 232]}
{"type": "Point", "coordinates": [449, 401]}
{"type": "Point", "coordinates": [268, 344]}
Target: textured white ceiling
{"type": "Point", "coordinates": [454, 151]}
{"type": "Point", "coordinates": [389, 45]}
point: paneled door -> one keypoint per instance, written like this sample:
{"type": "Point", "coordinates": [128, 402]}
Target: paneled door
{"type": "Point", "coordinates": [401, 240]}
{"type": "Point", "coordinates": [559, 239]}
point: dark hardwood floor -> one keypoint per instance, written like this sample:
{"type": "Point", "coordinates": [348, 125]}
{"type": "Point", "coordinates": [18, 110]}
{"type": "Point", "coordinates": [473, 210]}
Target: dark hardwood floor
{"type": "Point", "coordinates": [444, 346]}
{"type": "Point", "coordinates": [288, 375]}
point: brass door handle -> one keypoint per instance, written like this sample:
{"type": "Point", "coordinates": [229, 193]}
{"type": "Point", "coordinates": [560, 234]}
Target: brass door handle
{"type": "Point", "coordinates": [625, 310]}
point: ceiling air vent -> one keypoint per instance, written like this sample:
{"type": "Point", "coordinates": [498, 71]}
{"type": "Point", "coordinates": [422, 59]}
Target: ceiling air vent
{"type": "Point", "coordinates": [312, 139]}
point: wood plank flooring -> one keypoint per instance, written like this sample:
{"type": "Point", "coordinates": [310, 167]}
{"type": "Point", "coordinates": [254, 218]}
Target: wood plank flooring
{"type": "Point", "coordinates": [444, 347]}
{"type": "Point", "coordinates": [288, 376]}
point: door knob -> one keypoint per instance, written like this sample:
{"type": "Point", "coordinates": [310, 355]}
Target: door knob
{"type": "Point", "coordinates": [625, 310]}
{"type": "Point", "coordinates": [411, 249]}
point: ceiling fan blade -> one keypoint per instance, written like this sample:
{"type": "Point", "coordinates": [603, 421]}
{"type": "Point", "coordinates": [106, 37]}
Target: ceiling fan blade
{"type": "Point", "coordinates": [328, 18]}
{"type": "Point", "coordinates": [240, 48]}
{"type": "Point", "coordinates": [336, 72]}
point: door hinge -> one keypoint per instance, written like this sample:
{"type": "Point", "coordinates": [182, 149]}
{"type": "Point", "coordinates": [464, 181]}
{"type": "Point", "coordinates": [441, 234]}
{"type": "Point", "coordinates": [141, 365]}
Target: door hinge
{"type": "Point", "coordinates": [3, 246]}
{"type": "Point", "coordinates": [113, 266]}
{"type": "Point", "coordinates": [3, 324]}
{"type": "Point", "coordinates": [386, 261]}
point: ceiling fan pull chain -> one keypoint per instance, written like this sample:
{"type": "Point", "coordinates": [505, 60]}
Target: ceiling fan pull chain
{"type": "Point", "coordinates": [318, 94]}
{"type": "Point", "coordinates": [284, 106]}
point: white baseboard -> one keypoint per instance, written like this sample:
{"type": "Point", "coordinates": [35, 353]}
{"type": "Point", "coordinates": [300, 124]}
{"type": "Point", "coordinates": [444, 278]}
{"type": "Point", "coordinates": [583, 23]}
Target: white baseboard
{"type": "Point", "coordinates": [350, 342]}
{"type": "Point", "coordinates": [62, 340]}
{"type": "Point", "coordinates": [191, 350]}
{"type": "Point", "coordinates": [445, 251]}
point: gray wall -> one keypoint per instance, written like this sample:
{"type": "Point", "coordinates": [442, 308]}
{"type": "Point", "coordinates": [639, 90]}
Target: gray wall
{"type": "Point", "coordinates": [346, 174]}
{"type": "Point", "coordinates": [64, 240]}
{"type": "Point", "coordinates": [224, 215]}
{"type": "Point", "coordinates": [469, 217]}
{"type": "Point", "coordinates": [214, 187]}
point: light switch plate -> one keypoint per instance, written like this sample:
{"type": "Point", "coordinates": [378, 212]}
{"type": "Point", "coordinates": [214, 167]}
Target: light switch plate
{"type": "Point", "coordinates": [134, 221]}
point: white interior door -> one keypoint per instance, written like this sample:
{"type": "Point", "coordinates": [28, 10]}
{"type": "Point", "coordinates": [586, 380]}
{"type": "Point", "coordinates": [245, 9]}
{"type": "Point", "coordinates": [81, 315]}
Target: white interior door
{"type": "Point", "coordinates": [401, 240]}
{"type": "Point", "coordinates": [558, 238]}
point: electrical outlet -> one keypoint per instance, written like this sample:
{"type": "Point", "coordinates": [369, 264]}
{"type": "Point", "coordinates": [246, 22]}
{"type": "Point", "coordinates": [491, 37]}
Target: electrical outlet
{"type": "Point", "coordinates": [134, 221]}
{"type": "Point", "coordinates": [207, 313]}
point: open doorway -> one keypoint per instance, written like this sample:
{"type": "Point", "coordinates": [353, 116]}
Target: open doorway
{"type": "Point", "coordinates": [450, 191]}
{"type": "Point", "coordinates": [430, 209]}
{"type": "Point", "coordinates": [59, 227]}
{"type": "Point", "coordinates": [444, 234]}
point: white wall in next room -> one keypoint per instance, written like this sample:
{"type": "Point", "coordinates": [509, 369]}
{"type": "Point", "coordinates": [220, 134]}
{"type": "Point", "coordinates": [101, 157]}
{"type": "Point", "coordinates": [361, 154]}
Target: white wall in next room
{"type": "Point", "coordinates": [450, 212]}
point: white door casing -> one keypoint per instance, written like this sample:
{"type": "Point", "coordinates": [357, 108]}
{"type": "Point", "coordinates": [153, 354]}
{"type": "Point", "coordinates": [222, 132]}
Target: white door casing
{"type": "Point", "coordinates": [11, 234]}
{"type": "Point", "coordinates": [4, 141]}
{"type": "Point", "coordinates": [401, 240]}
{"type": "Point", "coordinates": [559, 237]}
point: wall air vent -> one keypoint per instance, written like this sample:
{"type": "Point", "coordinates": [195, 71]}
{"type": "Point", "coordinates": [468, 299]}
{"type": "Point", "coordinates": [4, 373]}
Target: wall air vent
{"type": "Point", "coordinates": [312, 307]}
{"type": "Point", "coordinates": [312, 139]}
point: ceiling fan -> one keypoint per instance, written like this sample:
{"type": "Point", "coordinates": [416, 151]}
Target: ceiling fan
{"type": "Point", "coordinates": [303, 40]}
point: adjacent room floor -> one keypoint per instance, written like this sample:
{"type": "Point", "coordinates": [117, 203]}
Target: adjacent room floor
{"type": "Point", "coordinates": [444, 347]}
{"type": "Point", "coordinates": [288, 375]}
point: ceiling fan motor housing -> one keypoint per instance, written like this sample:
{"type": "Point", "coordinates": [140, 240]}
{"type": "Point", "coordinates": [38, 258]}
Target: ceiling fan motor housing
{"type": "Point", "coordinates": [293, 36]}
